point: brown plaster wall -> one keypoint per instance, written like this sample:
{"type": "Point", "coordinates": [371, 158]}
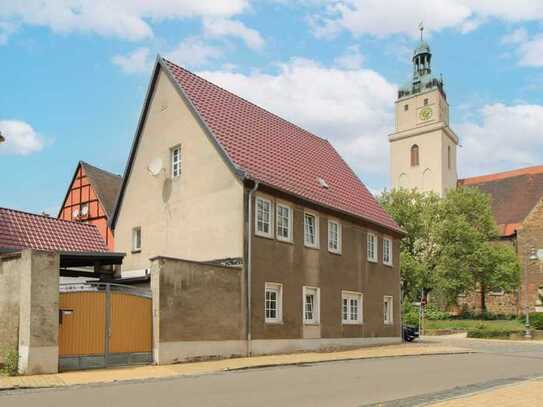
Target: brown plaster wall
{"type": "Point", "coordinates": [294, 265]}
{"type": "Point", "coordinates": [197, 302]}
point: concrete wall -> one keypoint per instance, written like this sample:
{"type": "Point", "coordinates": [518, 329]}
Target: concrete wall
{"type": "Point", "coordinates": [198, 215]}
{"type": "Point", "coordinates": [198, 310]}
{"type": "Point", "coordinates": [29, 292]}
{"type": "Point", "coordinates": [38, 313]}
{"type": "Point", "coordinates": [293, 265]}
{"type": "Point", "coordinates": [9, 301]}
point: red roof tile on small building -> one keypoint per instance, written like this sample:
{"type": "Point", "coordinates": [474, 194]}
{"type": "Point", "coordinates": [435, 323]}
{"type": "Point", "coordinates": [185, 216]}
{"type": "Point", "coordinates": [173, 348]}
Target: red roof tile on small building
{"type": "Point", "coordinates": [277, 153]}
{"type": "Point", "coordinates": [22, 230]}
{"type": "Point", "coordinates": [513, 195]}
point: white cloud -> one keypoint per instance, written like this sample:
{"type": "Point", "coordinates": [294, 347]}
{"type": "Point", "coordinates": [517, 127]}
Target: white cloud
{"type": "Point", "coordinates": [528, 50]}
{"type": "Point", "coordinates": [352, 58]}
{"type": "Point", "coordinates": [351, 108]}
{"type": "Point", "coordinates": [21, 138]}
{"type": "Point", "coordinates": [531, 52]}
{"type": "Point", "coordinates": [138, 61]}
{"type": "Point", "coordinates": [193, 52]}
{"type": "Point", "coordinates": [508, 136]}
{"type": "Point", "coordinates": [517, 36]}
{"type": "Point", "coordinates": [221, 27]}
{"type": "Point", "coordinates": [386, 17]}
{"type": "Point", "coordinates": [128, 19]}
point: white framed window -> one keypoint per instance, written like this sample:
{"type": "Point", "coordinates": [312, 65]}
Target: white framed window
{"type": "Point", "coordinates": [273, 302]}
{"type": "Point", "coordinates": [284, 223]}
{"type": "Point", "coordinates": [351, 307]}
{"type": "Point", "coordinates": [311, 296]}
{"type": "Point", "coordinates": [372, 247]}
{"type": "Point", "coordinates": [263, 217]}
{"type": "Point", "coordinates": [175, 158]}
{"type": "Point", "coordinates": [388, 309]}
{"type": "Point", "coordinates": [334, 236]}
{"type": "Point", "coordinates": [136, 239]}
{"type": "Point", "coordinates": [387, 251]}
{"type": "Point", "coordinates": [311, 230]}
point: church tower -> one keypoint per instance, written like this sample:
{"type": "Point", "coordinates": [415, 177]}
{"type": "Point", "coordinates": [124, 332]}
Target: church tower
{"type": "Point", "coordinates": [423, 146]}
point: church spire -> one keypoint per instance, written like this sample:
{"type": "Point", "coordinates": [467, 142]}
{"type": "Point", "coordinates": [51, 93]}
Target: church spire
{"type": "Point", "coordinates": [422, 69]}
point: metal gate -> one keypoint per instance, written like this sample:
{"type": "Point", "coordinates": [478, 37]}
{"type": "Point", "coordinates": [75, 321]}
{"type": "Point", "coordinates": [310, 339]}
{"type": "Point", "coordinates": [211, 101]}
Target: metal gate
{"type": "Point", "coordinates": [103, 324]}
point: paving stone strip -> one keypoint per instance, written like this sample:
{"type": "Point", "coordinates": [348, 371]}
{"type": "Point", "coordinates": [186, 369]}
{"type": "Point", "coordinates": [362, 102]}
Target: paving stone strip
{"type": "Point", "coordinates": [474, 394]}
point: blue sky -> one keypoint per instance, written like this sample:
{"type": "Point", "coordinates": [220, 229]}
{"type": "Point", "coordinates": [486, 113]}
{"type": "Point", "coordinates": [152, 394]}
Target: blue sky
{"type": "Point", "coordinates": [74, 75]}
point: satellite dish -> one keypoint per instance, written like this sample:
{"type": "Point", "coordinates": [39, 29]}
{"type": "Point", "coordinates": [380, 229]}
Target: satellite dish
{"type": "Point", "coordinates": [154, 167]}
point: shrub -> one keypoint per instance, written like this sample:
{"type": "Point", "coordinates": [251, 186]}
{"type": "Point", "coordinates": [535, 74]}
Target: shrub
{"type": "Point", "coordinates": [432, 312]}
{"type": "Point", "coordinates": [11, 362]}
{"type": "Point", "coordinates": [410, 314]}
{"type": "Point", "coordinates": [536, 320]}
{"type": "Point", "coordinates": [482, 331]}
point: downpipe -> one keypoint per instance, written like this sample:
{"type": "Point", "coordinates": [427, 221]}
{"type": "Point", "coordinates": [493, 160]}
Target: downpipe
{"type": "Point", "coordinates": [249, 267]}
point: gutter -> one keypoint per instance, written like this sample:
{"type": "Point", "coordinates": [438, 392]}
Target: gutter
{"type": "Point", "coordinates": [249, 267]}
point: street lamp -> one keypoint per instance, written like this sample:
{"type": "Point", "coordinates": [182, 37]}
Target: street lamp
{"type": "Point", "coordinates": [532, 257]}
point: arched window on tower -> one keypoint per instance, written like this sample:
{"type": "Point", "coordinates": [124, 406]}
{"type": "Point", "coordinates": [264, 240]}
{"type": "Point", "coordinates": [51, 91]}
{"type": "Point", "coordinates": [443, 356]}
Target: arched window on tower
{"type": "Point", "coordinates": [414, 155]}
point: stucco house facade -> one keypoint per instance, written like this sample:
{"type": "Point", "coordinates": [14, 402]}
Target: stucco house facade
{"type": "Point", "coordinates": [215, 180]}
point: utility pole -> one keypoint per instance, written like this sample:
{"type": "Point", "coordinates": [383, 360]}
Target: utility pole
{"type": "Point", "coordinates": [530, 256]}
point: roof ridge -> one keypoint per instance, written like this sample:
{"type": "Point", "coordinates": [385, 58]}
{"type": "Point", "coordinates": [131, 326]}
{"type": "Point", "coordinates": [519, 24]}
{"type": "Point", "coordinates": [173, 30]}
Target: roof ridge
{"type": "Point", "coordinates": [99, 169]}
{"type": "Point", "coordinates": [49, 217]}
{"type": "Point", "coordinates": [532, 170]}
{"type": "Point", "coordinates": [247, 101]}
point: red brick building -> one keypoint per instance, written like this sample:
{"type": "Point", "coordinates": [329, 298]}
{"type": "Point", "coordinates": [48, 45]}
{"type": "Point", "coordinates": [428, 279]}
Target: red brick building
{"type": "Point", "coordinates": [90, 199]}
{"type": "Point", "coordinates": [516, 198]}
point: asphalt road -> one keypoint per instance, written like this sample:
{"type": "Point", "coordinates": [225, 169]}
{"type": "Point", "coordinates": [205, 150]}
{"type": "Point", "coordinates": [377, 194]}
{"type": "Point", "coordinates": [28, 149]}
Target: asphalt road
{"type": "Point", "coordinates": [401, 381]}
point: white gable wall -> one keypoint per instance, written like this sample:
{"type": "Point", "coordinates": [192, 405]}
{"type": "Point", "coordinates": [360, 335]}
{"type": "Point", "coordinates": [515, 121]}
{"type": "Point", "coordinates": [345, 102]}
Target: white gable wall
{"type": "Point", "coordinates": [196, 216]}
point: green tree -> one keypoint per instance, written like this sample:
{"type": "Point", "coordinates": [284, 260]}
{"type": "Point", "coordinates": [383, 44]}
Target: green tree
{"type": "Point", "coordinates": [447, 247]}
{"type": "Point", "coordinates": [418, 215]}
{"type": "Point", "coordinates": [495, 267]}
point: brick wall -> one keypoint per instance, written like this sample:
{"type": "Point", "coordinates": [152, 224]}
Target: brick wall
{"type": "Point", "coordinates": [531, 236]}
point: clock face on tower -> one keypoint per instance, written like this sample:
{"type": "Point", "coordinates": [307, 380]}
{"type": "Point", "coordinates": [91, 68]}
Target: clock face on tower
{"type": "Point", "coordinates": [425, 113]}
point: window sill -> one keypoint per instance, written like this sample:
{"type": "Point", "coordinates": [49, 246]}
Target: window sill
{"type": "Point", "coordinates": [279, 322]}
{"type": "Point", "coordinates": [374, 261]}
{"type": "Point", "coordinates": [289, 241]}
{"type": "Point", "coordinates": [312, 323]}
{"type": "Point", "coordinates": [336, 252]}
{"type": "Point", "coordinates": [352, 323]}
{"type": "Point", "coordinates": [311, 247]}
{"type": "Point", "coordinates": [388, 265]}
{"type": "Point", "coordinates": [389, 323]}
{"type": "Point", "coordinates": [136, 251]}
{"type": "Point", "coordinates": [264, 235]}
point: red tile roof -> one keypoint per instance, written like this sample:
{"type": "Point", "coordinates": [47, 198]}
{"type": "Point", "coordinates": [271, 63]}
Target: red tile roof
{"type": "Point", "coordinates": [22, 230]}
{"type": "Point", "coordinates": [276, 152]}
{"type": "Point", "coordinates": [513, 195]}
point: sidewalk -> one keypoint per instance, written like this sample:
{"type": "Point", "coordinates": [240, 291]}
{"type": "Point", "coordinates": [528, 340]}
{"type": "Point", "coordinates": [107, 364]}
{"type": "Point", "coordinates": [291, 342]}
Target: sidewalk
{"type": "Point", "coordinates": [525, 394]}
{"type": "Point", "coordinates": [198, 368]}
